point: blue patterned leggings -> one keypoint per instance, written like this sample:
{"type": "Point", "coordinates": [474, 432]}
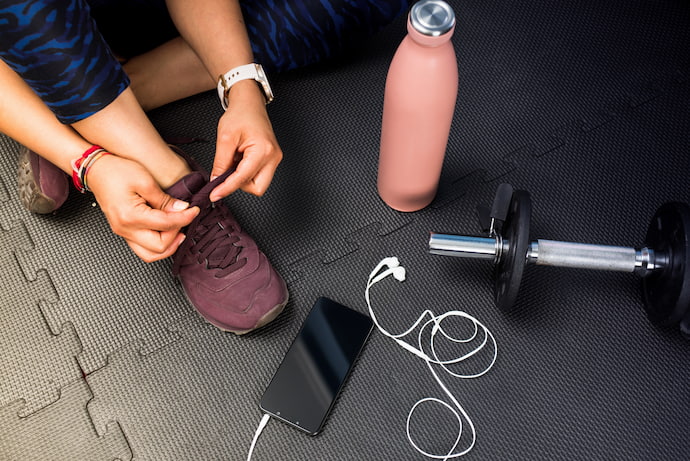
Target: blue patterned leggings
{"type": "Point", "coordinates": [58, 48]}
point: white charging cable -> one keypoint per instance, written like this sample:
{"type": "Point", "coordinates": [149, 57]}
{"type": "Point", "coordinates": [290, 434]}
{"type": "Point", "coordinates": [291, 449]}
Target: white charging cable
{"type": "Point", "coordinates": [480, 335]}
{"type": "Point", "coordinates": [262, 424]}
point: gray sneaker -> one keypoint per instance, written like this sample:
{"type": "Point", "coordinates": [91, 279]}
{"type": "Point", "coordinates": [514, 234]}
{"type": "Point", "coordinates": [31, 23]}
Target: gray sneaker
{"type": "Point", "coordinates": [225, 276]}
{"type": "Point", "coordinates": [43, 187]}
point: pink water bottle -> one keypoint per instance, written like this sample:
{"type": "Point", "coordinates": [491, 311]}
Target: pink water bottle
{"type": "Point", "coordinates": [419, 102]}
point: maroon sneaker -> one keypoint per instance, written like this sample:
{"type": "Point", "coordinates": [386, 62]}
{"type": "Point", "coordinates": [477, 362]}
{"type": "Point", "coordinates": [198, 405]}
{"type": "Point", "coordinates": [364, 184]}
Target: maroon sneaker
{"type": "Point", "coordinates": [225, 276]}
{"type": "Point", "coordinates": [43, 187]}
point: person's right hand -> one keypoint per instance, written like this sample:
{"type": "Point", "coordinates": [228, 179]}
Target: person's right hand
{"type": "Point", "coordinates": [137, 209]}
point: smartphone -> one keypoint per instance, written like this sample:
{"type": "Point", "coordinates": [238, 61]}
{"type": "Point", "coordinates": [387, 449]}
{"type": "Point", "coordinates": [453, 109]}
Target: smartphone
{"type": "Point", "coordinates": [315, 367]}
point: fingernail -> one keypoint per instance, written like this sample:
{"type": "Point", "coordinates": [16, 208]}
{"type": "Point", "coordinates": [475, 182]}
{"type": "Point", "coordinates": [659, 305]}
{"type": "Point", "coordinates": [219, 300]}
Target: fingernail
{"type": "Point", "coordinates": [179, 205]}
{"type": "Point", "coordinates": [214, 177]}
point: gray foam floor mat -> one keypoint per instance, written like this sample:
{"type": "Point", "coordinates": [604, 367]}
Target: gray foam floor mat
{"type": "Point", "coordinates": [585, 106]}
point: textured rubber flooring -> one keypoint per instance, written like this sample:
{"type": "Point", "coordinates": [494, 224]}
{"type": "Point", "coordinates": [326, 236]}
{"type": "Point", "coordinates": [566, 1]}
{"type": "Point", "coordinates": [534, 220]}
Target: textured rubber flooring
{"type": "Point", "coordinates": [584, 104]}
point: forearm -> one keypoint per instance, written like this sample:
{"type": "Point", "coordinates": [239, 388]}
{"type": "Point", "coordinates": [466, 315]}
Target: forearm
{"type": "Point", "coordinates": [27, 120]}
{"type": "Point", "coordinates": [215, 30]}
{"type": "Point", "coordinates": [124, 129]}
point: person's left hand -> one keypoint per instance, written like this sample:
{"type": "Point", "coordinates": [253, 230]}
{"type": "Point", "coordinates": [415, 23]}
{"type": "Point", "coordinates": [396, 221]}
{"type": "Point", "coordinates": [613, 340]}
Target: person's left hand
{"type": "Point", "coordinates": [245, 141]}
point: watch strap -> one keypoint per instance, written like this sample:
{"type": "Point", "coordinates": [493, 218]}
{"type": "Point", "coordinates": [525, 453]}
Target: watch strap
{"type": "Point", "coordinates": [251, 71]}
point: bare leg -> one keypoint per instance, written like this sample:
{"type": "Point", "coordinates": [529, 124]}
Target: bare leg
{"type": "Point", "coordinates": [168, 73]}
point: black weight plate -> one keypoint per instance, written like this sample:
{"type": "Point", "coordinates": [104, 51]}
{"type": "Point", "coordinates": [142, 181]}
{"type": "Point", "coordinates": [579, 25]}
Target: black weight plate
{"type": "Point", "coordinates": [666, 292]}
{"type": "Point", "coordinates": [508, 271]}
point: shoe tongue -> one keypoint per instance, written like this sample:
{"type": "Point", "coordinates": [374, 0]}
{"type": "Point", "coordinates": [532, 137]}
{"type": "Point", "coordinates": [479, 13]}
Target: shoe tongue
{"type": "Point", "coordinates": [189, 185]}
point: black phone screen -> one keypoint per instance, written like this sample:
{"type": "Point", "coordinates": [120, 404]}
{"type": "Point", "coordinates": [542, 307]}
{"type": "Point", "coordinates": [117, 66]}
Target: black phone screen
{"type": "Point", "coordinates": [316, 365]}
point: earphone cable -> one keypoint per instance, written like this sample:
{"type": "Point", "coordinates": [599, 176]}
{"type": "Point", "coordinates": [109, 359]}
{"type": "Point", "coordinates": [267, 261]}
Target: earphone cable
{"type": "Point", "coordinates": [398, 272]}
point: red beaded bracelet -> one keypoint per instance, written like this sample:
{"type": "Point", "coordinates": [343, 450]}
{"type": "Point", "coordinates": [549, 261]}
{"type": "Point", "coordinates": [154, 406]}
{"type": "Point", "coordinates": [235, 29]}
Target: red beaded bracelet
{"type": "Point", "coordinates": [82, 165]}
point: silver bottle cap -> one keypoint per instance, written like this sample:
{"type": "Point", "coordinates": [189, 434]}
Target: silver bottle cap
{"type": "Point", "coordinates": [432, 17]}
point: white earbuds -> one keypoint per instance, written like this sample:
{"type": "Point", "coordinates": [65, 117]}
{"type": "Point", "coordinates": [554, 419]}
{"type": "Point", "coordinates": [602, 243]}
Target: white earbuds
{"type": "Point", "coordinates": [391, 262]}
{"type": "Point", "coordinates": [476, 341]}
{"type": "Point", "coordinates": [393, 267]}
{"type": "Point", "coordinates": [399, 273]}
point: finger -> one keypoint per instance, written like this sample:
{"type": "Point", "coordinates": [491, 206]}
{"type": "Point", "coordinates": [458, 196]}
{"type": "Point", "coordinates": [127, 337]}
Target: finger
{"type": "Point", "coordinates": [245, 172]}
{"type": "Point", "coordinates": [230, 185]}
{"type": "Point", "coordinates": [163, 212]}
{"type": "Point", "coordinates": [222, 168]}
{"type": "Point", "coordinates": [148, 255]}
{"type": "Point", "coordinates": [227, 155]}
{"type": "Point", "coordinates": [158, 220]}
{"type": "Point", "coordinates": [259, 184]}
{"type": "Point", "coordinates": [158, 199]}
{"type": "Point", "coordinates": [155, 242]}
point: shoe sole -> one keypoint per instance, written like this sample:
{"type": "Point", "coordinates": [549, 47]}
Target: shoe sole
{"type": "Point", "coordinates": [267, 318]}
{"type": "Point", "coordinates": [29, 192]}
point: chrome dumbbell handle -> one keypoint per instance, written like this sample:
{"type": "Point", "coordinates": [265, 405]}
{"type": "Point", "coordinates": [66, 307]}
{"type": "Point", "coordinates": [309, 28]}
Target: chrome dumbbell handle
{"type": "Point", "coordinates": [465, 246]}
{"type": "Point", "coordinates": [551, 253]}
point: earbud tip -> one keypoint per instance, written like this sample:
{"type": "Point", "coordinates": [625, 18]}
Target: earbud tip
{"type": "Point", "coordinates": [392, 262]}
{"type": "Point", "coordinates": [399, 273]}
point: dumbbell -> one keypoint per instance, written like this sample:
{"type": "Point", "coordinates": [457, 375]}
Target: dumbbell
{"type": "Point", "coordinates": [662, 264]}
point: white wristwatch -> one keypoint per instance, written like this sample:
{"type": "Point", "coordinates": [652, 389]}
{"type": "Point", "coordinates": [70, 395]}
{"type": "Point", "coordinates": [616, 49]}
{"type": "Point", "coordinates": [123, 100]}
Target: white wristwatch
{"type": "Point", "coordinates": [248, 71]}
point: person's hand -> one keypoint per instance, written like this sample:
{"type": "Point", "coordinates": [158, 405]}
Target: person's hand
{"type": "Point", "coordinates": [137, 209]}
{"type": "Point", "coordinates": [245, 140]}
